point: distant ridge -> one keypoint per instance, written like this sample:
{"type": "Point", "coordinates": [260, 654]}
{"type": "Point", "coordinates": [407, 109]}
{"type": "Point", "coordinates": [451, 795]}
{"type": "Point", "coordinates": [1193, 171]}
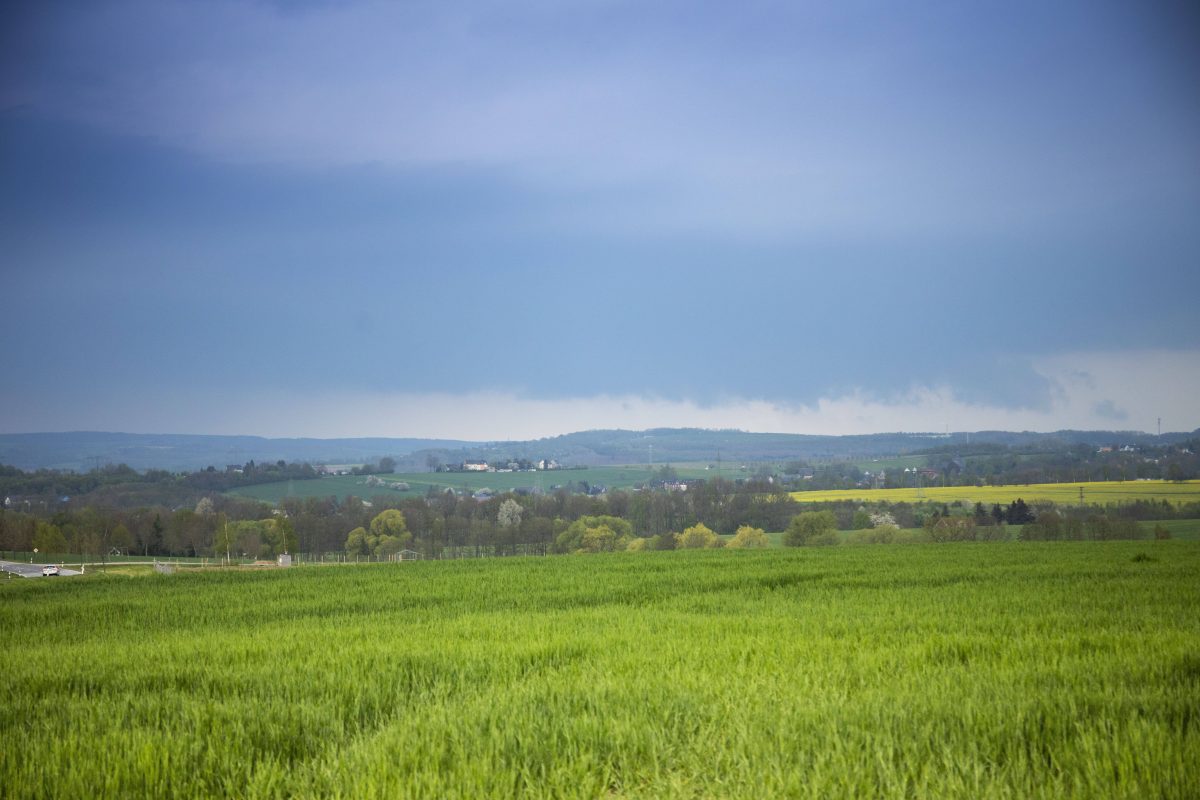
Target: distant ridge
{"type": "Point", "coordinates": [84, 450]}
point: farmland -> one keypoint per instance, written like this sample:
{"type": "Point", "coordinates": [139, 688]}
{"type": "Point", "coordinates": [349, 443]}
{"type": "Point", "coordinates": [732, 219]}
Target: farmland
{"type": "Point", "coordinates": [970, 670]}
{"type": "Point", "coordinates": [1094, 493]}
{"type": "Point", "coordinates": [624, 477]}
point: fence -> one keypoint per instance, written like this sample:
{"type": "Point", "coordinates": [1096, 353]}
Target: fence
{"type": "Point", "coordinates": [428, 554]}
{"type": "Point", "coordinates": [174, 562]}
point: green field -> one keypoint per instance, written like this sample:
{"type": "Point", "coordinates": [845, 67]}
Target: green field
{"type": "Point", "coordinates": [624, 477]}
{"type": "Point", "coordinates": [1185, 529]}
{"type": "Point", "coordinates": [890, 463]}
{"type": "Point", "coordinates": [1098, 492]}
{"type": "Point", "coordinates": [1015, 670]}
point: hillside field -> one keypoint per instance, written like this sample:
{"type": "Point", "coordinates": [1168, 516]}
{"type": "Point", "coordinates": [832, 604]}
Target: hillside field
{"type": "Point", "coordinates": [1099, 492]}
{"type": "Point", "coordinates": [972, 670]}
{"type": "Point", "coordinates": [624, 477]}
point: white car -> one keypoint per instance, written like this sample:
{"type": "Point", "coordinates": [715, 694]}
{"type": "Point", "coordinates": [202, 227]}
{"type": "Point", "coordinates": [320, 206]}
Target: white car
{"type": "Point", "coordinates": [49, 571]}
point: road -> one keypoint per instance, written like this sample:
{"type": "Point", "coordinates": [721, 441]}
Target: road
{"type": "Point", "coordinates": [33, 570]}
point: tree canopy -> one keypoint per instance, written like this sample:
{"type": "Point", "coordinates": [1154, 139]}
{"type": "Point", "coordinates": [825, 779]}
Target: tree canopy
{"type": "Point", "coordinates": [594, 534]}
{"type": "Point", "coordinates": [811, 528]}
{"type": "Point", "coordinates": [698, 536]}
{"type": "Point", "coordinates": [748, 537]}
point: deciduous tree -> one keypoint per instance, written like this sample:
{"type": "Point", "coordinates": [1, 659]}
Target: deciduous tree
{"type": "Point", "coordinates": [48, 538]}
{"type": "Point", "coordinates": [811, 528]}
{"type": "Point", "coordinates": [356, 543]}
{"type": "Point", "coordinates": [748, 537]}
{"type": "Point", "coordinates": [510, 514]}
{"type": "Point", "coordinates": [698, 536]}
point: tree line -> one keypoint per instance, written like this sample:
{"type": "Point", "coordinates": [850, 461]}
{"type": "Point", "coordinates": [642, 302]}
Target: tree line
{"type": "Point", "coordinates": [1000, 465]}
{"type": "Point", "coordinates": [446, 524]}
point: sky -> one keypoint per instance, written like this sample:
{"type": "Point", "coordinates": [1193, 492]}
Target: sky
{"type": "Point", "coordinates": [485, 220]}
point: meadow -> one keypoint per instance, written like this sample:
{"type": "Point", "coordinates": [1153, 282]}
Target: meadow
{"type": "Point", "coordinates": [1019, 670]}
{"type": "Point", "coordinates": [1094, 493]}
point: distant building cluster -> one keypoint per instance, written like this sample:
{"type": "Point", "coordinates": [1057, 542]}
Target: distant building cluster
{"type": "Point", "coordinates": [516, 465]}
{"type": "Point", "coordinates": [338, 469]}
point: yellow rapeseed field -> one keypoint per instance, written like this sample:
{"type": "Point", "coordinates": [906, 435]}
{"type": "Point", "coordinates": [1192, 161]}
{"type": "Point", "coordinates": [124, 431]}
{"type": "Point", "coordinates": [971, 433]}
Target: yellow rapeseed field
{"type": "Point", "coordinates": [1097, 492]}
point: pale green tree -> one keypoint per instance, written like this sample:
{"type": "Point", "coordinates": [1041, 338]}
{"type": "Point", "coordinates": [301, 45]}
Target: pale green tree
{"type": "Point", "coordinates": [747, 537]}
{"type": "Point", "coordinates": [598, 539]}
{"type": "Point", "coordinates": [698, 536]}
{"type": "Point", "coordinates": [387, 535]}
{"type": "Point", "coordinates": [279, 535]}
{"type": "Point", "coordinates": [390, 522]}
{"type": "Point", "coordinates": [357, 544]}
{"type": "Point", "coordinates": [48, 538]}
{"type": "Point", "coordinates": [607, 533]}
{"type": "Point", "coordinates": [121, 539]}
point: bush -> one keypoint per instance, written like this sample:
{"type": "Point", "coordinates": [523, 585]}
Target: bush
{"type": "Point", "coordinates": [1035, 532]}
{"type": "Point", "coordinates": [953, 529]}
{"type": "Point", "coordinates": [664, 541]}
{"type": "Point", "coordinates": [698, 536]}
{"type": "Point", "coordinates": [593, 535]}
{"type": "Point", "coordinates": [882, 534]}
{"type": "Point", "coordinates": [750, 537]}
{"type": "Point", "coordinates": [991, 533]}
{"type": "Point", "coordinates": [882, 519]}
{"type": "Point", "coordinates": [810, 529]}
{"type": "Point", "coordinates": [1109, 528]}
{"type": "Point", "coordinates": [1052, 526]}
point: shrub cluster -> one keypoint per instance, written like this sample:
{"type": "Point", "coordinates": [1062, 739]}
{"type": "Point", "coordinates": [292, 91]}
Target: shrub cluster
{"type": "Point", "coordinates": [1053, 526]}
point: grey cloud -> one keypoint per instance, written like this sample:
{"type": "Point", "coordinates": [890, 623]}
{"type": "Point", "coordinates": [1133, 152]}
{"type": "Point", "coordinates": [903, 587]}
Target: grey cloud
{"type": "Point", "coordinates": [1082, 377]}
{"type": "Point", "coordinates": [765, 121]}
{"type": "Point", "coordinates": [1109, 410]}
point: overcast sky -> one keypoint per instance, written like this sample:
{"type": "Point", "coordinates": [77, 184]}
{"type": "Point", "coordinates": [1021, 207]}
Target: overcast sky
{"type": "Point", "coordinates": [505, 220]}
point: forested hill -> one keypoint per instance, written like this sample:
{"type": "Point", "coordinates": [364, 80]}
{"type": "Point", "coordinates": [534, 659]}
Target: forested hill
{"type": "Point", "coordinates": [187, 452]}
{"type": "Point", "coordinates": [83, 451]}
{"type": "Point", "coordinates": [680, 445]}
